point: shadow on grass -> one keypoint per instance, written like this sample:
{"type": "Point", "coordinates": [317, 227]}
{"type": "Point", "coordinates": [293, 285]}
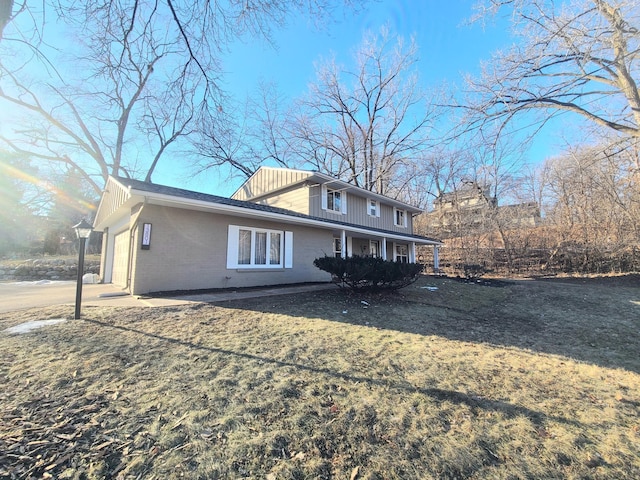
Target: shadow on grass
{"type": "Point", "coordinates": [631, 280]}
{"type": "Point", "coordinates": [509, 410]}
{"type": "Point", "coordinates": [597, 322]}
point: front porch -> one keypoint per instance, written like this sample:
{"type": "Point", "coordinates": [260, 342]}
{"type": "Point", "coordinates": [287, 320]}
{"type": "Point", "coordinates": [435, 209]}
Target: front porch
{"type": "Point", "coordinates": [388, 247]}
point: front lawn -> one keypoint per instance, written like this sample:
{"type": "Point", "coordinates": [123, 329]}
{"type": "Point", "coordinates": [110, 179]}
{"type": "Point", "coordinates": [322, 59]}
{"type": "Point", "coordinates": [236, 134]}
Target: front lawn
{"type": "Point", "coordinates": [509, 380]}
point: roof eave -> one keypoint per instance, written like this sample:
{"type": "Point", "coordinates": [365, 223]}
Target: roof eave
{"type": "Point", "coordinates": [366, 193]}
{"type": "Point", "coordinates": [324, 178]}
{"type": "Point", "coordinates": [119, 213]}
{"type": "Point", "coordinates": [181, 202]}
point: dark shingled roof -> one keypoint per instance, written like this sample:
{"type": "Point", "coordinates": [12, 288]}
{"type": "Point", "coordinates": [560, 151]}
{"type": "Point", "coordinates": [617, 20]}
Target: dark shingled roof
{"type": "Point", "coordinates": [205, 197]}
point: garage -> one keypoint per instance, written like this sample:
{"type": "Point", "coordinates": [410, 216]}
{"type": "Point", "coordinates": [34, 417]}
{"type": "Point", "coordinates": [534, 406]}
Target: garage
{"type": "Point", "coordinates": [120, 269]}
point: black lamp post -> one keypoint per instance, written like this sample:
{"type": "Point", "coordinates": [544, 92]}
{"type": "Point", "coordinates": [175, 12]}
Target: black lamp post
{"type": "Point", "coordinates": [83, 231]}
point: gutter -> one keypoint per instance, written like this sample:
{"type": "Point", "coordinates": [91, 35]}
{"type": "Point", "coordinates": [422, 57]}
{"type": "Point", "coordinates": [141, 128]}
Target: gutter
{"type": "Point", "coordinates": [243, 211]}
{"type": "Point", "coordinates": [329, 180]}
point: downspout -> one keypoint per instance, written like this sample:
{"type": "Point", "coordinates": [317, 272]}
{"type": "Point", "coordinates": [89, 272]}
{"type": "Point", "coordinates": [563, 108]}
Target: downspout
{"type": "Point", "coordinates": [103, 256]}
{"type": "Point", "coordinates": [130, 257]}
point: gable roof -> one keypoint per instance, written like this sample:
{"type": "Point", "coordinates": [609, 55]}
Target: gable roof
{"type": "Point", "coordinates": [469, 190]}
{"type": "Point", "coordinates": [121, 194]}
{"type": "Point", "coordinates": [301, 176]}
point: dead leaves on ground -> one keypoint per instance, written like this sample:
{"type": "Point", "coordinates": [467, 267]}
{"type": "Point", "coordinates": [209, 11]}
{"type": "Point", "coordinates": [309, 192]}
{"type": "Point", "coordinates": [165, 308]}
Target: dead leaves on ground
{"type": "Point", "coordinates": [64, 436]}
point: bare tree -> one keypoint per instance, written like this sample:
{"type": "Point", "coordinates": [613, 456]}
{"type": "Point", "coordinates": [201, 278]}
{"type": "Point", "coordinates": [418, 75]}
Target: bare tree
{"type": "Point", "coordinates": [125, 80]}
{"type": "Point", "coordinates": [6, 14]}
{"type": "Point", "coordinates": [595, 198]}
{"type": "Point", "coordinates": [579, 57]}
{"type": "Point", "coordinates": [126, 94]}
{"type": "Point", "coordinates": [251, 135]}
{"type": "Point", "coordinates": [365, 125]}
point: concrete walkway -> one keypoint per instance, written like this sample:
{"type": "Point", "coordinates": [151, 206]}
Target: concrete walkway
{"type": "Point", "coordinates": [24, 295]}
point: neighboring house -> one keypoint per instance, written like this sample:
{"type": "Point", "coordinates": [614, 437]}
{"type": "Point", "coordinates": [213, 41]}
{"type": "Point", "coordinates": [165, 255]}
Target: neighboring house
{"type": "Point", "coordinates": [158, 238]}
{"type": "Point", "coordinates": [467, 206]}
{"type": "Point", "coordinates": [472, 206]}
{"type": "Point", "coordinates": [520, 215]}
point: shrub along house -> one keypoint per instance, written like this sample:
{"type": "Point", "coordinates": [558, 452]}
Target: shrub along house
{"type": "Point", "coordinates": [158, 238]}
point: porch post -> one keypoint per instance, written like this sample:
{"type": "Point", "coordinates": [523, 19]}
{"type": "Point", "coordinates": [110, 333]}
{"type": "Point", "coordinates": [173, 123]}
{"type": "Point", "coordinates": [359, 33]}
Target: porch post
{"type": "Point", "coordinates": [412, 252]}
{"type": "Point", "coordinates": [343, 242]}
{"type": "Point", "coordinates": [436, 259]}
{"type": "Point", "coordinates": [384, 248]}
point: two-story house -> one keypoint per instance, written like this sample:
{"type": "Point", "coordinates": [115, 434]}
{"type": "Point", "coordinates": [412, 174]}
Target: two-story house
{"type": "Point", "coordinates": [471, 208]}
{"type": "Point", "coordinates": [158, 238]}
{"type": "Point", "coordinates": [468, 206]}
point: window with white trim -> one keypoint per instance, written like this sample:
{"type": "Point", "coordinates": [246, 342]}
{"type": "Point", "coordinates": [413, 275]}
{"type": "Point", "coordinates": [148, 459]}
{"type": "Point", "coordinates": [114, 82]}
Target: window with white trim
{"type": "Point", "coordinates": [334, 201]}
{"type": "Point", "coordinates": [402, 253]}
{"type": "Point", "coordinates": [250, 247]}
{"type": "Point", "coordinates": [337, 247]}
{"type": "Point", "coordinates": [373, 208]}
{"type": "Point", "coordinates": [399, 217]}
{"type": "Point", "coordinates": [374, 248]}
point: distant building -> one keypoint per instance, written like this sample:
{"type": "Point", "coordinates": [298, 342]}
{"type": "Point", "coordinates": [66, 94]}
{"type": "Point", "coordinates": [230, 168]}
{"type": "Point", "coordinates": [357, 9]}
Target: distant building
{"type": "Point", "coordinates": [471, 207]}
{"type": "Point", "coordinates": [520, 215]}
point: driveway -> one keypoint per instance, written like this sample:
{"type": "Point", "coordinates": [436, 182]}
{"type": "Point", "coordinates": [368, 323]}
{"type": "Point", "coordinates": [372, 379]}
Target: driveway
{"type": "Point", "coordinates": [24, 295]}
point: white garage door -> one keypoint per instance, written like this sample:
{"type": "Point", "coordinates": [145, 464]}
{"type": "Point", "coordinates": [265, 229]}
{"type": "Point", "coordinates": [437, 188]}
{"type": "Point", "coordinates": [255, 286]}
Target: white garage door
{"type": "Point", "coordinates": [120, 259]}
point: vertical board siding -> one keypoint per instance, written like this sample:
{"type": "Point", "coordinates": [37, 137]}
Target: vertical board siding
{"type": "Point", "coordinates": [308, 199]}
{"type": "Point", "coordinates": [296, 199]}
{"type": "Point", "coordinates": [357, 212]}
{"type": "Point", "coordinates": [114, 197]}
{"type": "Point", "coordinates": [266, 180]}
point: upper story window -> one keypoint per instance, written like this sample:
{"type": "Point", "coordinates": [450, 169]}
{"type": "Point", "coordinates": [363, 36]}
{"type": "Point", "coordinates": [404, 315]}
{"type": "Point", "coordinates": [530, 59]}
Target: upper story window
{"type": "Point", "coordinates": [400, 217]}
{"type": "Point", "coordinates": [373, 208]}
{"type": "Point", "coordinates": [334, 200]}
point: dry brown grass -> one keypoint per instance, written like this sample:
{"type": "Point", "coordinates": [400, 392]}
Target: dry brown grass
{"type": "Point", "coordinates": [523, 380]}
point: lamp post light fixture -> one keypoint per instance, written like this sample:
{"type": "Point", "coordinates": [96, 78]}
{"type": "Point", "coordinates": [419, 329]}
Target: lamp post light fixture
{"type": "Point", "coordinates": [83, 231]}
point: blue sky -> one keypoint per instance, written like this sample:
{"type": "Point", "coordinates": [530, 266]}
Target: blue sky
{"type": "Point", "coordinates": [448, 48]}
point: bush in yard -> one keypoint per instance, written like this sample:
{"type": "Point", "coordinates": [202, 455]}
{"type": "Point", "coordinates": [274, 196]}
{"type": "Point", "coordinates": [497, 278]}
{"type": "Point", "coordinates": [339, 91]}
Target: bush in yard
{"type": "Point", "coordinates": [369, 273]}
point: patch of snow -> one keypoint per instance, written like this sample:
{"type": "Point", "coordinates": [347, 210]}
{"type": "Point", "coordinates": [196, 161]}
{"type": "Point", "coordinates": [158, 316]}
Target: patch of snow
{"type": "Point", "coordinates": [90, 278]}
{"type": "Point", "coordinates": [38, 282]}
{"type": "Point", "coordinates": [431, 289]}
{"type": "Point", "coordinates": [29, 326]}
